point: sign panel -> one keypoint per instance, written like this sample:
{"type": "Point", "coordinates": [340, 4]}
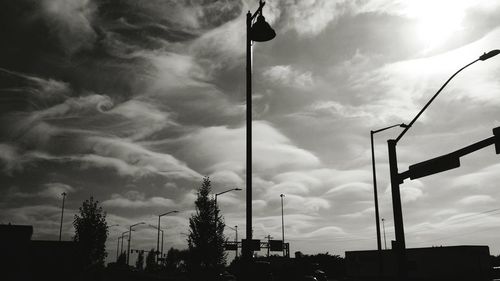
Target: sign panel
{"type": "Point", "coordinates": [254, 244]}
{"type": "Point", "coordinates": [276, 245]}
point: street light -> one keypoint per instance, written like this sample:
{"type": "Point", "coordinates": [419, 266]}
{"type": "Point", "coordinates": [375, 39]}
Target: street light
{"type": "Point", "coordinates": [62, 214]}
{"type": "Point", "coordinates": [158, 239]}
{"type": "Point", "coordinates": [158, 252]}
{"type": "Point", "coordinates": [129, 238]}
{"type": "Point", "coordinates": [397, 179]}
{"type": "Point", "coordinates": [122, 236]}
{"type": "Point", "coordinates": [118, 247]}
{"type": "Point", "coordinates": [215, 201]}
{"type": "Point", "coordinates": [375, 192]}
{"type": "Point", "coordinates": [260, 31]}
{"type": "Point", "coordinates": [383, 226]}
{"type": "Point", "coordinates": [232, 189]}
{"type": "Point", "coordinates": [235, 237]}
{"type": "Point", "coordinates": [282, 225]}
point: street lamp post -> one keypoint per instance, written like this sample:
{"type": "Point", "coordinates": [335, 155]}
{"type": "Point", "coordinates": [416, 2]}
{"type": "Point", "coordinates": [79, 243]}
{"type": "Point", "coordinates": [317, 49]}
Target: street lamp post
{"type": "Point", "coordinates": [232, 189]}
{"type": "Point", "coordinates": [158, 251]}
{"type": "Point", "coordinates": [129, 238]}
{"type": "Point", "coordinates": [235, 238]}
{"type": "Point", "coordinates": [118, 247]}
{"type": "Point", "coordinates": [397, 179]}
{"type": "Point", "coordinates": [215, 201]}
{"type": "Point", "coordinates": [260, 31]}
{"type": "Point", "coordinates": [385, 241]}
{"type": "Point", "coordinates": [123, 236]}
{"type": "Point", "coordinates": [375, 192]}
{"type": "Point", "coordinates": [62, 215]}
{"type": "Point", "coordinates": [375, 197]}
{"type": "Point", "coordinates": [220, 193]}
{"type": "Point", "coordinates": [158, 237]}
{"type": "Point", "coordinates": [282, 225]}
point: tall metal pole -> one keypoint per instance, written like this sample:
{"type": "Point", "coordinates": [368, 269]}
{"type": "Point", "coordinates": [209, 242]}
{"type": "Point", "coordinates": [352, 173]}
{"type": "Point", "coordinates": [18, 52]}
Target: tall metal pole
{"type": "Point", "coordinates": [123, 236]}
{"type": "Point", "coordinates": [118, 248]}
{"type": "Point", "coordinates": [247, 251]}
{"type": "Point", "coordinates": [397, 211]}
{"type": "Point", "coordinates": [129, 238]}
{"type": "Point", "coordinates": [62, 215]}
{"type": "Point", "coordinates": [128, 246]}
{"type": "Point", "coordinates": [162, 236]}
{"type": "Point", "coordinates": [236, 239]}
{"type": "Point", "coordinates": [121, 247]}
{"type": "Point", "coordinates": [158, 236]}
{"type": "Point", "coordinates": [375, 194]}
{"type": "Point", "coordinates": [269, 237]}
{"type": "Point", "coordinates": [158, 240]}
{"type": "Point", "coordinates": [282, 225]}
{"type": "Point", "coordinates": [385, 241]}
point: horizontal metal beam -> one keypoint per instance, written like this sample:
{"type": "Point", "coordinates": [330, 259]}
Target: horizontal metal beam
{"type": "Point", "coordinates": [444, 162]}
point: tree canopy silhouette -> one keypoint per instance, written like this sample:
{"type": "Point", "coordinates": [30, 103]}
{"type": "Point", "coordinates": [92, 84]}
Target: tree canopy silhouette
{"type": "Point", "coordinates": [139, 263]}
{"type": "Point", "coordinates": [206, 238]}
{"type": "Point", "coordinates": [151, 264]}
{"type": "Point", "coordinates": [91, 232]}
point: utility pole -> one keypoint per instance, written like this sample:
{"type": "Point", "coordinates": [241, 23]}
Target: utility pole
{"type": "Point", "coordinates": [269, 237]}
{"type": "Point", "coordinates": [62, 215]}
{"type": "Point", "coordinates": [282, 225]}
{"type": "Point", "coordinates": [383, 226]}
{"type": "Point", "coordinates": [260, 31]}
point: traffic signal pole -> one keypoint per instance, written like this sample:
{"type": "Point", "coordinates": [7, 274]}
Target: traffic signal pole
{"type": "Point", "coordinates": [397, 211]}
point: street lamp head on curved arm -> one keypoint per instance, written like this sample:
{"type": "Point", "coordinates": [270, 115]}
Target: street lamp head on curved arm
{"type": "Point", "coordinates": [137, 224]}
{"type": "Point", "coordinates": [232, 189]}
{"type": "Point", "coordinates": [402, 125]}
{"type": "Point", "coordinates": [168, 213]}
{"type": "Point", "coordinates": [282, 195]}
{"type": "Point", "coordinates": [483, 57]}
{"type": "Point", "coordinates": [489, 54]}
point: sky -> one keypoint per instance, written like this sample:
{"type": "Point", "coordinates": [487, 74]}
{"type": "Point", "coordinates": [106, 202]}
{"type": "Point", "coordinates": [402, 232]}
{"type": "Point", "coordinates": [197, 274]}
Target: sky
{"type": "Point", "coordinates": [134, 102]}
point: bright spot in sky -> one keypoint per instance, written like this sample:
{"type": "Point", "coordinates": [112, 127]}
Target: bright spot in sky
{"type": "Point", "coordinates": [437, 20]}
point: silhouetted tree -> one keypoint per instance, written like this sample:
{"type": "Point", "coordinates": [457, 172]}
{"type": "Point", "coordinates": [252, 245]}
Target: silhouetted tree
{"type": "Point", "coordinates": [176, 259]}
{"type": "Point", "coordinates": [206, 237]}
{"type": "Point", "coordinates": [172, 259]}
{"type": "Point", "coordinates": [91, 232]}
{"type": "Point", "coordinates": [139, 263]}
{"type": "Point", "coordinates": [122, 258]}
{"type": "Point", "coordinates": [151, 261]}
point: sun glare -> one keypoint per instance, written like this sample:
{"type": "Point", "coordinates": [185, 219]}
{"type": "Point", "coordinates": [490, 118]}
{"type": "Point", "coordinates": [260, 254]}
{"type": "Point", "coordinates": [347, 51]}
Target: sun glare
{"type": "Point", "coordinates": [437, 21]}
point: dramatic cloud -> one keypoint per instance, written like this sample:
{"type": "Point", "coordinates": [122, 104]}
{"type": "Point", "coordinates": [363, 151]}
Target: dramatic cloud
{"type": "Point", "coordinates": [133, 102]}
{"type": "Point", "coordinates": [135, 199]}
{"type": "Point", "coordinates": [289, 77]}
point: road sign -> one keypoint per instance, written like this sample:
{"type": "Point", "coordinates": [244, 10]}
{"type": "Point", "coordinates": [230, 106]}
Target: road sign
{"type": "Point", "coordinates": [254, 244]}
{"type": "Point", "coordinates": [496, 132]}
{"type": "Point", "coordinates": [276, 245]}
{"type": "Point", "coordinates": [434, 166]}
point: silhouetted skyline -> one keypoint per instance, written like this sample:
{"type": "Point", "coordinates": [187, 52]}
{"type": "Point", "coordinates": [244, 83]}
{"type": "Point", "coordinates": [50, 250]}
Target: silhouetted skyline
{"type": "Point", "coordinates": [135, 103]}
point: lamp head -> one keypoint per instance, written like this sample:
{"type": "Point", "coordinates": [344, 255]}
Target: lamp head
{"type": "Point", "coordinates": [403, 125]}
{"type": "Point", "coordinates": [261, 31]}
{"type": "Point", "coordinates": [489, 54]}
